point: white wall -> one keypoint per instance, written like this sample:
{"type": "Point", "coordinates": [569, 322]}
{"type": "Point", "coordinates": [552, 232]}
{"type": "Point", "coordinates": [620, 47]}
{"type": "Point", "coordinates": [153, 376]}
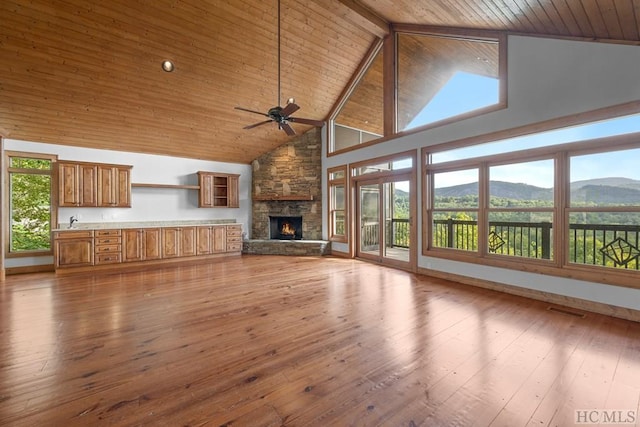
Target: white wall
{"type": "Point", "coordinates": [547, 78]}
{"type": "Point", "coordinates": [147, 204]}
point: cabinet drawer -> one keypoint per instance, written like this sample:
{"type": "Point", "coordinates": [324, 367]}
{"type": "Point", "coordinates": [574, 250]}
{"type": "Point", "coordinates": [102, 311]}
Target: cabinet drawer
{"type": "Point", "coordinates": [106, 258]}
{"type": "Point", "coordinates": [232, 239]}
{"type": "Point", "coordinates": [108, 240]}
{"type": "Point", "coordinates": [108, 248]}
{"type": "Point", "coordinates": [234, 247]}
{"type": "Point", "coordinates": [73, 234]}
{"type": "Point", "coordinates": [234, 230]}
{"type": "Point", "coordinates": [107, 233]}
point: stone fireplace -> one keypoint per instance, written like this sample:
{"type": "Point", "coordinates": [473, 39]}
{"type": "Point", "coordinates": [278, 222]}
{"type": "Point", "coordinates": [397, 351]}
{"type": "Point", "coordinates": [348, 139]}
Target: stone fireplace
{"type": "Point", "coordinates": [287, 183]}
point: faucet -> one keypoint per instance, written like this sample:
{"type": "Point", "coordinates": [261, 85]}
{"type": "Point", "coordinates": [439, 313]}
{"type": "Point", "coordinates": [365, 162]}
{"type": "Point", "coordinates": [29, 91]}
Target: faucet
{"type": "Point", "coordinates": [72, 220]}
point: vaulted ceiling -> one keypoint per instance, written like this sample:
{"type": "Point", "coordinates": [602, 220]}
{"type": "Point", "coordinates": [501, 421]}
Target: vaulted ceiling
{"type": "Point", "coordinates": [88, 72]}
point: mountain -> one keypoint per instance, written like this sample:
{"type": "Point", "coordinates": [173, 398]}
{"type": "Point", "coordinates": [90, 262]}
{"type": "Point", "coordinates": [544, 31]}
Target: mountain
{"type": "Point", "coordinates": [507, 190]}
{"type": "Point", "coordinates": [601, 191]}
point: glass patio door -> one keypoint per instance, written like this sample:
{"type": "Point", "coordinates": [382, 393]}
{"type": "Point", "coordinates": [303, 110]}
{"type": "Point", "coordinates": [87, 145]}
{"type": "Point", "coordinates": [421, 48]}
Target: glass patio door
{"type": "Point", "coordinates": [384, 225]}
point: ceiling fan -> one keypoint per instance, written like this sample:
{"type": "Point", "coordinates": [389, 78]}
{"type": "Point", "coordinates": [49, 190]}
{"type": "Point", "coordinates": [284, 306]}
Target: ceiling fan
{"type": "Point", "coordinates": [278, 114]}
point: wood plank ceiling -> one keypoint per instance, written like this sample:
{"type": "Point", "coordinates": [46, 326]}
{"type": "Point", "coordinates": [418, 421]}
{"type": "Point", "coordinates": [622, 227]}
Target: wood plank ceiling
{"type": "Point", "coordinates": [87, 72]}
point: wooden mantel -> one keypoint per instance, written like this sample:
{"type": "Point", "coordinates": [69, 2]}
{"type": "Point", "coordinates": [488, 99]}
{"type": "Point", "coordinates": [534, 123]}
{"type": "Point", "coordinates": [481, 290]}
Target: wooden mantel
{"type": "Point", "coordinates": [290, 198]}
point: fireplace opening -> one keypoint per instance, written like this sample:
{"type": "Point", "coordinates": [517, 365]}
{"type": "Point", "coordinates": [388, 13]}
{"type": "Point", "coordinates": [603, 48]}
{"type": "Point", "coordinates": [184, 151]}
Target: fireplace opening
{"type": "Point", "coordinates": [286, 227]}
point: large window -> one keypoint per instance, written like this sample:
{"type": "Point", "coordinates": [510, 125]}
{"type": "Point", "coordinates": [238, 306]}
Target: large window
{"type": "Point", "coordinates": [441, 77]}
{"type": "Point", "coordinates": [455, 209]}
{"type": "Point", "coordinates": [360, 118]}
{"type": "Point", "coordinates": [520, 213]}
{"type": "Point", "coordinates": [604, 213]}
{"type": "Point", "coordinates": [337, 183]}
{"type": "Point", "coordinates": [566, 208]}
{"type": "Point", "coordinates": [30, 212]}
{"type": "Point", "coordinates": [420, 77]}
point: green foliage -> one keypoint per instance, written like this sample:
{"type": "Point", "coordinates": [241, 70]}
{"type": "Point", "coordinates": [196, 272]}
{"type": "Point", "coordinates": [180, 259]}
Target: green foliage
{"type": "Point", "coordinates": [30, 209]}
{"type": "Point", "coordinates": [523, 240]}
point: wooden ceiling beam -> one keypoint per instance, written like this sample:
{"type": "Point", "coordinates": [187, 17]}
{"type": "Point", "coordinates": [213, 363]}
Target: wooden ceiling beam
{"type": "Point", "coordinates": [364, 18]}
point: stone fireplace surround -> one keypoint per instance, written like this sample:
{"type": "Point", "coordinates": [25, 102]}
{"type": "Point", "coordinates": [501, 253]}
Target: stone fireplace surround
{"type": "Point", "coordinates": [287, 182]}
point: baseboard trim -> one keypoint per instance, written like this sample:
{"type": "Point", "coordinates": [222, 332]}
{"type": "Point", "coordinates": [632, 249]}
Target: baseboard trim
{"type": "Point", "coordinates": [44, 268]}
{"type": "Point", "coordinates": [340, 254]}
{"type": "Point", "coordinates": [562, 300]}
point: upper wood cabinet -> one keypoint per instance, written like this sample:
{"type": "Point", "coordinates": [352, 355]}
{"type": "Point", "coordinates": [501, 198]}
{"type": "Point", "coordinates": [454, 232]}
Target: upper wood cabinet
{"type": "Point", "coordinates": [218, 190]}
{"type": "Point", "coordinates": [77, 183]}
{"type": "Point", "coordinates": [114, 186]}
{"type": "Point", "coordinates": [85, 184]}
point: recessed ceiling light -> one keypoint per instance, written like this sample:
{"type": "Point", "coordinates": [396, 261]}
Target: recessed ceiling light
{"type": "Point", "coordinates": [167, 66]}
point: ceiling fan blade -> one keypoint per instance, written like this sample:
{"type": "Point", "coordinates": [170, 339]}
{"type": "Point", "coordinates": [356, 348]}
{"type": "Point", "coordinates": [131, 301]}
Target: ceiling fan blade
{"type": "Point", "coordinates": [289, 109]}
{"type": "Point", "coordinates": [288, 129]}
{"type": "Point", "coordinates": [251, 111]}
{"type": "Point", "coordinates": [318, 123]}
{"type": "Point", "coordinates": [257, 124]}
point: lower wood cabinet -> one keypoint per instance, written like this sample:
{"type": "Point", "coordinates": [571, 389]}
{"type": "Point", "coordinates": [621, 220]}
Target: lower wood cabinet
{"type": "Point", "coordinates": [140, 244]}
{"type": "Point", "coordinates": [211, 239]}
{"type": "Point", "coordinates": [187, 241]}
{"type": "Point", "coordinates": [108, 246]}
{"type": "Point", "coordinates": [73, 248]}
{"type": "Point", "coordinates": [178, 241]}
{"type": "Point", "coordinates": [82, 248]}
{"type": "Point", "coordinates": [234, 238]}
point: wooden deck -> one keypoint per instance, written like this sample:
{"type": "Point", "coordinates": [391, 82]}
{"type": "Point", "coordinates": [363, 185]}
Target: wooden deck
{"type": "Point", "coordinates": [301, 341]}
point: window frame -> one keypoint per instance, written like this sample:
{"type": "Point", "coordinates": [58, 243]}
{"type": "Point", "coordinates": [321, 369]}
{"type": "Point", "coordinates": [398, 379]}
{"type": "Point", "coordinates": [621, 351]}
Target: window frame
{"type": "Point", "coordinates": [331, 184]}
{"type": "Point", "coordinates": [500, 38]}
{"type": "Point", "coordinates": [388, 48]}
{"type": "Point", "coordinates": [8, 155]}
{"type": "Point", "coordinates": [559, 265]}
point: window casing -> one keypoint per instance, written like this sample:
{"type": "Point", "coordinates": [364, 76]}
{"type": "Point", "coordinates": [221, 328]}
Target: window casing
{"type": "Point", "coordinates": [441, 77]}
{"type": "Point", "coordinates": [338, 201]}
{"type": "Point", "coordinates": [417, 78]}
{"type": "Point", "coordinates": [571, 209]}
{"type": "Point", "coordinates": [30, 211]}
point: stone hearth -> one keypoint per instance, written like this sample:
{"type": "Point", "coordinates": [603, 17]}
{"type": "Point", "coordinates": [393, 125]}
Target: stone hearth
{"type": "Point", "coordinates": [287, 247]}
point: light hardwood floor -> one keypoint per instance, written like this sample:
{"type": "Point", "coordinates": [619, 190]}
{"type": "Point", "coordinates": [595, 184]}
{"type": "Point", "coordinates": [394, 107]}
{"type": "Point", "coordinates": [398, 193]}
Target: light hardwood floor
{"type": "Point", "coordinates": [270, 341]}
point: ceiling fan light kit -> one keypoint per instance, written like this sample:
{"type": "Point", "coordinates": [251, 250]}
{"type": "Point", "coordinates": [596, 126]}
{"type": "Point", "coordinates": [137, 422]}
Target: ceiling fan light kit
{"type": "Point", "coordinates": [278, 114]}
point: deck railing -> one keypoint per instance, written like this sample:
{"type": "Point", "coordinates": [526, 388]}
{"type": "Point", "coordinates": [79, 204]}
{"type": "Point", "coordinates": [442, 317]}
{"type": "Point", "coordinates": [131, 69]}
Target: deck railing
{"type": "Point", "coordinates": [591, 244]}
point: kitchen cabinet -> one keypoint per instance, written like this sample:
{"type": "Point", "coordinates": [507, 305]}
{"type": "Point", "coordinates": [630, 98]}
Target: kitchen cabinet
{"type": "Point", "coordinates": [218, 190]}
{"type": "Point", "coordinates": [140, 244]}
{"type": "Point", "coordinates": [108, 246]}
{"type": "Point", "coordinates": [105, 248]}
{"type": "Point", "coordinates": [82, 184]}
{"type": "Point", "coordinates": [114, 186]}
{"type": "Point", "coordinates": [211, 239]}
{"type": "Point", "coordinates": [234, 238]}
{"type": "Point", "coordinates": [187, 241]}
{"type": "Point", "coordinates": [178, 241]}
{"type": "Point", "coordinates": [73, 248]}
{"type": "Point", "coordinates": [77, 184]}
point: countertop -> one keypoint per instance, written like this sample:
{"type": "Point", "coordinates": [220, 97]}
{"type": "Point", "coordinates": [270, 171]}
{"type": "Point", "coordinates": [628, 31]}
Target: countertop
{"type": "Point", "coordinates": [143, 224]}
